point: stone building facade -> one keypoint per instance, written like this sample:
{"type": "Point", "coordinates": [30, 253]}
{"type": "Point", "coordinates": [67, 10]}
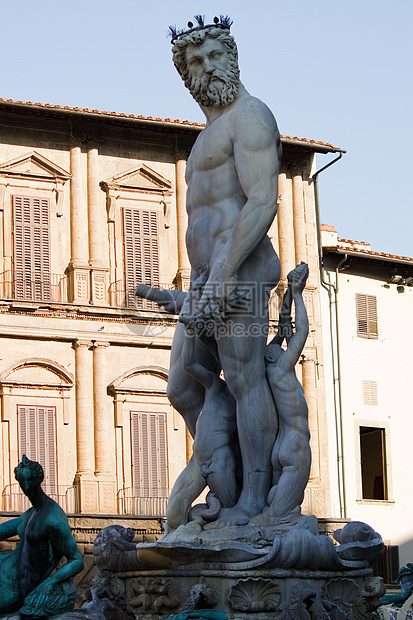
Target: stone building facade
{"type": "Point", "coordinates": [367, 309]}
{"type": "Point", "coordinates": [91, 204]}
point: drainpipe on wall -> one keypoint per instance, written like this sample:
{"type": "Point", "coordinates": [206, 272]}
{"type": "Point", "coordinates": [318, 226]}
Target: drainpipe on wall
{"type": "Point", "coordinates": [332, 289]}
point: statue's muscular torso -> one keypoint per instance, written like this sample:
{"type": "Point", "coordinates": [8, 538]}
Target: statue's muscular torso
{"type": "Point", "coordinates": [214, 196]}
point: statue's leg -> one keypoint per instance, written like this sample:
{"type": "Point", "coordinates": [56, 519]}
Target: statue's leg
{"type": "Point", "coordinates": [215, 426]}
{"type": "Point", "coordinates": [293, 455]}
{"type": "Point", "coordinates": [189, 485]}
{"type": "Point", "coordinates": [295, 459]}
{"type": "Point", "coordinates": [221, 479]}
{"type": "Point", "coordinates": [9, 581]}
{"type": "Point", "coordinates": [186, 394]}
{"type": "Point", "coordinates": [241, 352]}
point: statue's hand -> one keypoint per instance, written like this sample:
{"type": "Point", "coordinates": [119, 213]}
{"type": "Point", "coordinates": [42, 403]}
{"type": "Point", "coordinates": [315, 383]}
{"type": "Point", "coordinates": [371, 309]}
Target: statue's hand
{"type": "Point", "coordinates": [297, 278]}
{"type": "Point", "coordinates": [37, 598]}
{"type": "Point", "coordinates": [219, 293]}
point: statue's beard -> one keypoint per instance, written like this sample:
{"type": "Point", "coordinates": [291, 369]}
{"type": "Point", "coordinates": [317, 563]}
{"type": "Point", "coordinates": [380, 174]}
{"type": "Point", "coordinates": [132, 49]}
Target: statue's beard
{"type": "Point", "coordinates": [208, 91]}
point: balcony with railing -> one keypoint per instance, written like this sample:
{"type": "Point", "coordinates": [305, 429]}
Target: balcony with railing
{"type": "Point", "coordinates": [143, 502]}
{"type": "Point", "coordinates": [34, 286]}
{"type": "Point", "coordinates": [14, 500]}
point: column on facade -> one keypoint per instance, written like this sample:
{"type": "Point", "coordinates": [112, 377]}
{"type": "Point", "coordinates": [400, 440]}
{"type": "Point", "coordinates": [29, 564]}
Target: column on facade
{"type": "Point", "coordinates": [310, 393]}
{"type": "Point", "coordinates": [311, 228]}
{"type": "Point", "coordinates": [93, 191]}
{"type": "Point", "coordinates": [78, 214]}
{"type": "Point", "coordinates": [285, 225]}
{"type": "Point", "coordinates": [78, 268]}
{"type": "Point", "coordinates": [85, 478]}
{"type": "Point", "coordinates": [98, 237]}
{"type": "Point", "coordinates": [104, 432]}
{"type": "Point", "coordinates": [299, 215]}
{"type": "Point", "coordinates": [184, 267]}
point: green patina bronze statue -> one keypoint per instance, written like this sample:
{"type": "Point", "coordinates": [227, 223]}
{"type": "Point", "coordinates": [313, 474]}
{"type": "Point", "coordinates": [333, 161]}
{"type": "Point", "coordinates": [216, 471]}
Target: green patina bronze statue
{"type": "Point", "coordinates": [27, 581]}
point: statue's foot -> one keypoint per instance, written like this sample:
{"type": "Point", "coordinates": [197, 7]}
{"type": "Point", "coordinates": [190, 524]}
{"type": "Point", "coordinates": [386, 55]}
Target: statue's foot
{"type": "Point", "coordinates": [238, 515]}
{"type": "Point", "coordinates": [270, 518]}
{"type": "Point", "coordinates": [265, 519]}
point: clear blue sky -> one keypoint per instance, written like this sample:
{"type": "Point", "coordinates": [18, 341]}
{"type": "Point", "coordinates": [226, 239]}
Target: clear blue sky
{"type": "Point", "coordinates": [330, 70]}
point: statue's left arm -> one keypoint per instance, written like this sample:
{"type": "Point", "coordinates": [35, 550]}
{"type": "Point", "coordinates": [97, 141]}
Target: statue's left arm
{"type": "Point", "coordinates": [257, 154]}
{"type": "Point", "coordinates": [9, 528]}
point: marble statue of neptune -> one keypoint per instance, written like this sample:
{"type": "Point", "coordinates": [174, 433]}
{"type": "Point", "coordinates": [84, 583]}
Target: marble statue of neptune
{"type": "Point", "coordinates": [232, 179]}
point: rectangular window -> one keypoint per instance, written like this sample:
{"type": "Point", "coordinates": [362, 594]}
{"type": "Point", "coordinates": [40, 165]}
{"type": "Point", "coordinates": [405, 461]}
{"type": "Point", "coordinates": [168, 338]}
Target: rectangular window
{"type": "Point", "coordinates": [373, 462]}
{"type": "Point", "coordinates": [141, 253]}
{"type": "Point", "coordinates": [366, 313]}
{"type": "Point", "coordinates": [388, 566]}
{"type": "Point", "coordinates": [31, 248]}
{"type": "Point", "coordinates": [149, 460]}
{"type": "Point", "coordinates": [370, 393]}
{"type": "Point", "coordinates": [37, 439]}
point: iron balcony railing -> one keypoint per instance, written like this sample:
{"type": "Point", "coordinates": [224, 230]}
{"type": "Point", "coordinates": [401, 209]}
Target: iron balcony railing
{"type": "Point", "coordinates": [143, 502]}
{"type": "Point", "coordinates": [34, 286]}
{"type": "Point", "coordinates": [14, 500]}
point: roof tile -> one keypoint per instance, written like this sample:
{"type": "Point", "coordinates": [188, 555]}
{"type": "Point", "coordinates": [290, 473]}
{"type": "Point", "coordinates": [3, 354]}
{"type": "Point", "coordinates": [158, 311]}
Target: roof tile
{"type": "Point", "coordinates": [146, 118]}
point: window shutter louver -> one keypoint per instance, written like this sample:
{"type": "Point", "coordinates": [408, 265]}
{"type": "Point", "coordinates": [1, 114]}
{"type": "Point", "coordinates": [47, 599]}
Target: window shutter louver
{"type": "Point", "coordinates": [141, 252]}
{"type": "Point", "coordinates": [372, 316]}
{"type": "Point", "coordinates": [31, 448]}
{"type": "Point", "coordinates": [37, 439]}
{"type": "Point", "coordinates": [163, 478]}
{"type": "Point", "coordinates": [22, 425]}
{"type": "Point", "coordinates": [370, 393]}
{"type": "Point", "coordinates": [31, 235]}
{"type": "Point", "coordinates": [366, 314]}
{"type": "Point", "coordinates": [50, 456]}
{"type": "Point", "coordinates": [149, 459]}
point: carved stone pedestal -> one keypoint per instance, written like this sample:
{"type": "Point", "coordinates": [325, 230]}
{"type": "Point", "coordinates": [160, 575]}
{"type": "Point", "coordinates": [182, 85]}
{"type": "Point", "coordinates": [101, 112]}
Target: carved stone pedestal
{"type": "Point", "coordinates": [252, 594]}
{"type": "Point", "coordinates": [242, 572]}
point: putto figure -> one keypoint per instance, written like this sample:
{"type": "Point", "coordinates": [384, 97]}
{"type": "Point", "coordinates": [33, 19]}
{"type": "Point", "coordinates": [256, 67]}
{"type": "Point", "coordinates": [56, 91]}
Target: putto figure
{"type": "Point", "coordinates": [27, 580]}
{"type": "Point", "coordinates": [232, 178]}
{"type": "Point", "coordinates": [291, 455]}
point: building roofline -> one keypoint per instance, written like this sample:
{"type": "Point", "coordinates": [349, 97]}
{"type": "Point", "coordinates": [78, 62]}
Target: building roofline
{"type": "Point", "coordinates": [369, 254]}
{"type": "Point", "coordinates": [316, 145]}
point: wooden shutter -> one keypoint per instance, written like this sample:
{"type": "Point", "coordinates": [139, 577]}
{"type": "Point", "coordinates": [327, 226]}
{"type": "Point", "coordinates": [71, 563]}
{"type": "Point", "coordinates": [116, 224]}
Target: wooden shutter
{"type": "Point", "coordinates": [366, 313]}
{"type": "Point", "coordinates": [31, 236]}
{"type": "Point", "coordinates": [370, 393]}
{"type": "Point", "coordinates": [149, 458]}
{"type": "Point", "coordinates": [37, 438]}
{"type": "Point", "coordinates": [141, 251]}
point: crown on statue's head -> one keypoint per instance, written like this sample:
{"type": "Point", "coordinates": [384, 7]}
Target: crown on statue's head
{"type": "Point", "coordinates": [223, 21]}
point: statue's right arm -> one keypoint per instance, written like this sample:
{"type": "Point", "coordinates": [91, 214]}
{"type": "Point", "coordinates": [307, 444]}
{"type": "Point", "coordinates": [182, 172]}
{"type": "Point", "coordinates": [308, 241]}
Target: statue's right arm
{"type": "Point", "coordinates": [9, 528]}
{"type": "Point", "coordinates": [172, 300]}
